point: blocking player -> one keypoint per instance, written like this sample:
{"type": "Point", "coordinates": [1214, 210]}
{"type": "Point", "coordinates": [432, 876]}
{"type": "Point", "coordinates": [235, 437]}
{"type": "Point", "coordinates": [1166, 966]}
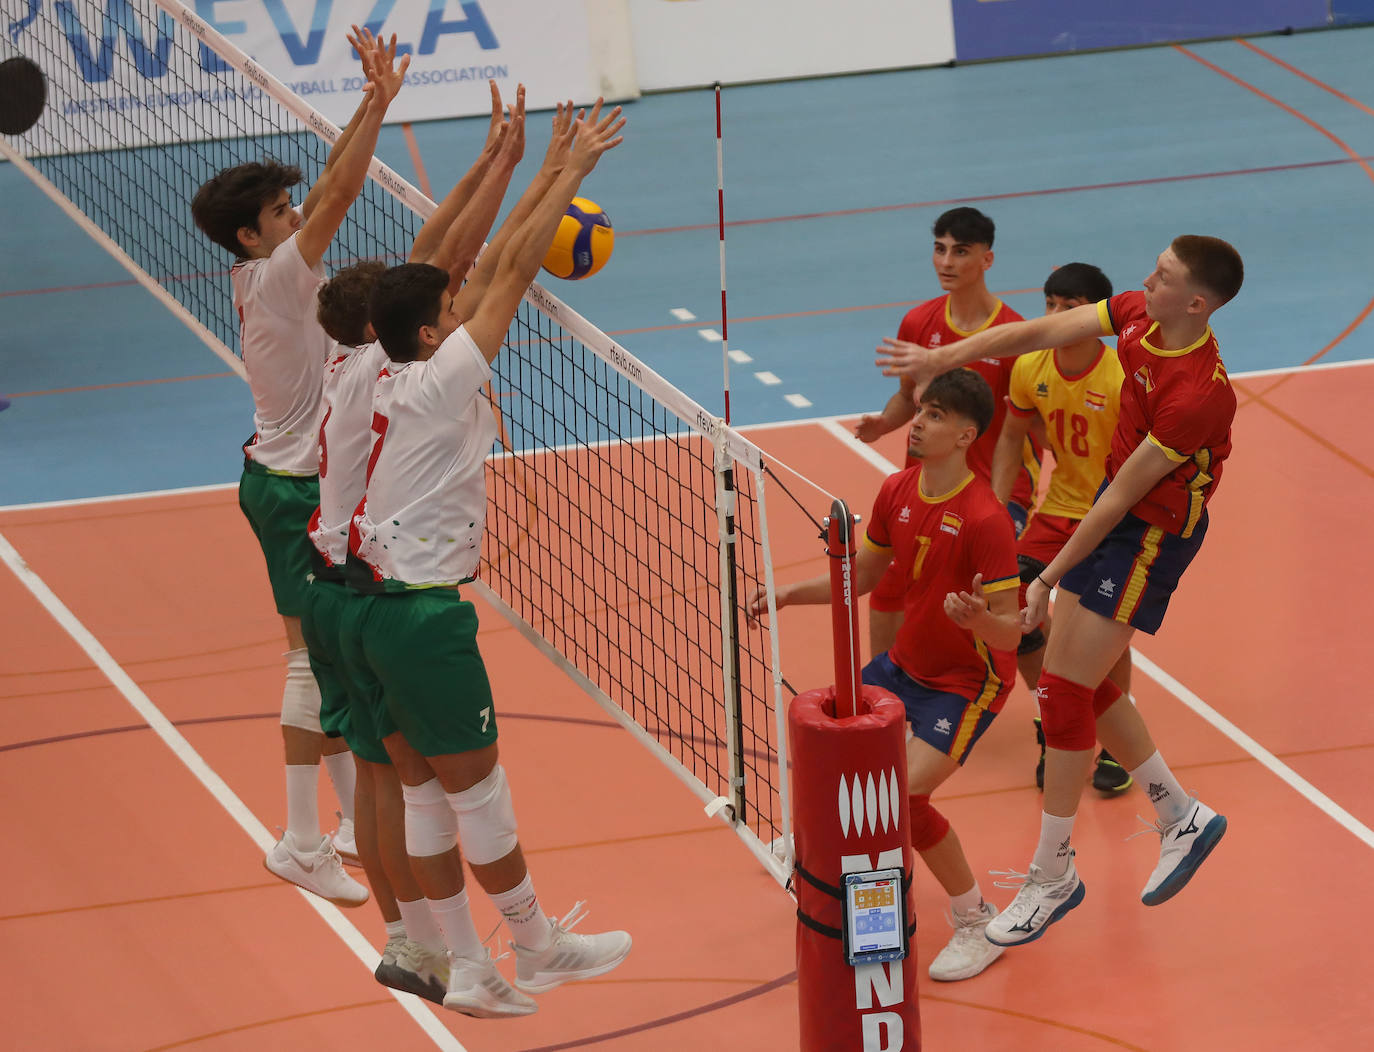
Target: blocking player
{"type": "Point", "coordinates": [414, 958]}
{"type": "Point", "coordinates": [1075, 393]}
{"type": "Point", "coordinates": [961, 256]}
{"type": "Point", "coordinates": [414, 541]}
{"type": "Point", "coordinates": [279, 253]}
{"type": "Point", "coordinates": [952, 664]}
{"type": "Point", "coordinates": [1117, 572]}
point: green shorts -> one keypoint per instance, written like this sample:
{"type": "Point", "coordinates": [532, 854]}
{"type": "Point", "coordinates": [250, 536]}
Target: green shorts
{"type": "Point", "coordinates": [278, 507]}
{"type": "Point", "coordinates": [347, 708]}
{"type": "Point", "coordinates": [421, 647]}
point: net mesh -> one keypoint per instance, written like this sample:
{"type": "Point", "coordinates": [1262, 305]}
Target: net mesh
{"type": "Point", "coordinates": [602, 529]}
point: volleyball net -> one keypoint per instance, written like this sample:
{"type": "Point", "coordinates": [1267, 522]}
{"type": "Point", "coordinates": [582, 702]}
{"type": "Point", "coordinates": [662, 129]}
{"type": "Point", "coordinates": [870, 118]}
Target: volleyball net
{"type": "Point", "coordinates": [627, 524]}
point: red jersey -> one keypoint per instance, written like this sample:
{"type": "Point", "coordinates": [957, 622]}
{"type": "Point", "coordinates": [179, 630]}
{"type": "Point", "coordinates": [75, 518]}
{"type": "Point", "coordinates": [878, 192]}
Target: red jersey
{"type": "Point", "coordinates": [1181, 401]}
{"type": "Point", "coordinates": [930, 325]}
{"type": "Point", "coordinates": [937, 545]}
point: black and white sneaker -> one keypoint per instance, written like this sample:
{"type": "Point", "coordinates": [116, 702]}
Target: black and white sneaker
{"type": "Point", "coordinates": [1041, 901]}
{"type": "Point", "coordinates": [1183, 846]}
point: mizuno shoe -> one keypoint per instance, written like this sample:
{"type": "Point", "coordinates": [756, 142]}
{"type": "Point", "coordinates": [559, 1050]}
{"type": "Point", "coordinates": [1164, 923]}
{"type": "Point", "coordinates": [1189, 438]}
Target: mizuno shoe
{"type": "Point", "coordinates": [1041, 901]}
{"type": "Point", "coordinates": [1182, 848]}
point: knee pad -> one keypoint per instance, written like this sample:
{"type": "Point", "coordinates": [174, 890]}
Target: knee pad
{"type": "Point", "coordinates": [1066, 713]}
{"type": "Point", "coordinates": [928, 826]}
{"type": "Point", "coordinates": [1105, 697]}
{"type": "Point", "coordinates": [486, 819]}
{"type": "Point", "coordinates": [1031, 641]}
{"type": "Point", "coordinates": [300, 698]}
{"type": "Point", "coordinates": [431, 826]}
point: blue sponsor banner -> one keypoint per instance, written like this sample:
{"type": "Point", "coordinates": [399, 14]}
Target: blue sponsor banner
{"type": "Point", "coordinates": [1005, 28]}
{"type": "Point", "coordinates": [1352, 12]}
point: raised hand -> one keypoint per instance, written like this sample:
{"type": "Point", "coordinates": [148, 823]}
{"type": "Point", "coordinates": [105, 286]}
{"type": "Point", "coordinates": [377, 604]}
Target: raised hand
{"type": "Point", "coordinates": [594, 136]}
{"type": "Point", "coordinates": [512, 136]}
{"type": "Point", "coordinates": [870, 428]}
{"type": "Point", "coordinates": [384, 78]}
{"type": "Point", "coordinates": [911, 360]}
{"type": "Point", "coordinates": [364, 44]}
{"type": "Point", "coordinates": [561, 141]}
{"type": "Point", "coordinates": [498, 124]}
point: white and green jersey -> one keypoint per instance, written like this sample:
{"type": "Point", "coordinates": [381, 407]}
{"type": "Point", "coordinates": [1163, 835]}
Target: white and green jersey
{"type": "Point", "coordinates": [284, 351]}
{"type": "Point", "coordinates": [422, 520]}
{"type": "Point", "coordinates": [345, 442]}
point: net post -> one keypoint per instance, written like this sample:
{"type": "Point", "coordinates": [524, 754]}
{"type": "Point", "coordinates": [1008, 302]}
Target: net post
{"type": "Point", "coordinates": [726, 497]}
{"type": "Point", "coordinates": [841, 547]}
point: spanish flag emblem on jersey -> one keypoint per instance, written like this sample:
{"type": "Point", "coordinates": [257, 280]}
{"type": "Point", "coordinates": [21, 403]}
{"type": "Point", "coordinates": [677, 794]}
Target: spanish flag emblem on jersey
{"type": "Point", "coordinates": [1095, 400]}
{"type": "Point", "coordinates": [1143, 375]}
{"type": "Point", "coordinates": [950, 523]}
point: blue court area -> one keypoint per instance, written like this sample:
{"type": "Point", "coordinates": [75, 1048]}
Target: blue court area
{"type": "Point", "coordinates": [831, 187]}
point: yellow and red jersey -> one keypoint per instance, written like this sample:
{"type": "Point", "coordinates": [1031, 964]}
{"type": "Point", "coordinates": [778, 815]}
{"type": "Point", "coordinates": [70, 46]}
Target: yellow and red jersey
{"type": "Point", "coordinates": [1080, 413]}
{"type": "Point", "coordinates": [1181, 401]}
{"type": "Point", "coordinates": [930, 325]}
{"type": "Point", "coordinates": [938, 544]}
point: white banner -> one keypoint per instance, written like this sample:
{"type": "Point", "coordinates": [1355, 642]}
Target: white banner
{"type": "Point", "coordinates": [684, 43]}
{"type": "Point", "coordinates": [111, 60]}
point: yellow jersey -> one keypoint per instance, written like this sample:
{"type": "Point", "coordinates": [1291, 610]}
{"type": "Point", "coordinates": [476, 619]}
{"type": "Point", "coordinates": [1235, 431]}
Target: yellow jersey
{"type": "Point", "coordinates": [1080, 414]}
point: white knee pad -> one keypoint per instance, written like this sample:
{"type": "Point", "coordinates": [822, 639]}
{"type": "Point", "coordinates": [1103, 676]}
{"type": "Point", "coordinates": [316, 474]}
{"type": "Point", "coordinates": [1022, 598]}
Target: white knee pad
{"type": "Point", "coordinates": [486, 818]}
{"type": "Point", "coordinates": [300, 699]}
{"type": "Point", "coordinates": [431, 826]}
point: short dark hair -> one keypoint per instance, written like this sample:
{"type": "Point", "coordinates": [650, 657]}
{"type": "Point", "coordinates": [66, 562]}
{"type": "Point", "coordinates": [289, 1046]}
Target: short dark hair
{"type": "Point", "coordinates": [964, 393]}
{"type": "Point", "coordinates": [1078, 281]}
{"type": "Point", "coordinates": [403, 299]}
{"type": "Point", "coordinates": [966, 225]}
{"type": "Point", "coordinates": [1212, 263]}
{"type": "Point", "coordinates": [234, 199]}
{"type": "Point", "coordinates": [343, 302]}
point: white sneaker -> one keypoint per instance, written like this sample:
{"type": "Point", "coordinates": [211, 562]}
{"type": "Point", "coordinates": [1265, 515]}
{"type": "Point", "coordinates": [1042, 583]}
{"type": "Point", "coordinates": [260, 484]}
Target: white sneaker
{"type": "Point", "coordinates": [1182, 848]}
{"type": "Point", "coordinates": [422, 971]}
{"type": "Point", "coordinates": [477, 989]}
{"type": "Point", "coordinates": [317, 870]}
{"type": "Point", "coordinates": [968, 952]}
{"type": "Point", "coordinates": [345, 843]}
{"type": "Point", "coordinates": [569, 957]}
{"type": "Point", "coordinates": [1041, 901]}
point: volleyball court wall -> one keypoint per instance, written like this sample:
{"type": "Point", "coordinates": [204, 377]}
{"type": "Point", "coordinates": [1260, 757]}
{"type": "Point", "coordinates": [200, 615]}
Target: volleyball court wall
{"type": "Point", "coordinates": [626, 523]}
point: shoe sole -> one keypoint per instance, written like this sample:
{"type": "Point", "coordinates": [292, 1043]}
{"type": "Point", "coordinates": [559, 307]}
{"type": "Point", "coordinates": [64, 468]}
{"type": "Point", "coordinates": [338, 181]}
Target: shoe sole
{"type": "Point", "coordinates": [1203, 846]}
{"type": "Point", "coordinates": [571, 977]}
{"type": "Point", "coordinates": [1058, 915]}
{"type": "Point", "coordinates": [483, 1009]}
{"type": "Point", "coordinates": [347, 904]}
{"type": "Point", "coordinates": [409, 983]}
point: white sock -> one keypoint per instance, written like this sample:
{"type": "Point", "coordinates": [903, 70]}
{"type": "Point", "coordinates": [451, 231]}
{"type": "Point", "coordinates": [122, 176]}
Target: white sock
{"type": "Point", "coordinates": [455, 918]}
{"type": "Point", "coordinates": [343, 772]}
{"type": "Point", "coordinates": [969, 900]}
{"type": "Point", "coordinates": [302, 804]}
{"type": "Point", "coordinates": [1160, 785]}
{"type": "Point", "coordinates": [1052, 852]}
{"type": "Point", "coordinates": [528, 925]}
{"type": "Point", "coordinates": [420, 925]}
{"type": "Point", "coordinates": [395, 929]}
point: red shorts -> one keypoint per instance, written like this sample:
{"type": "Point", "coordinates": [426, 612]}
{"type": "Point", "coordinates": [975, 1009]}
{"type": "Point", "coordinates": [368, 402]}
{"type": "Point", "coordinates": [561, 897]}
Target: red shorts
{"type": "Point", "coordinates": [1045, 537]}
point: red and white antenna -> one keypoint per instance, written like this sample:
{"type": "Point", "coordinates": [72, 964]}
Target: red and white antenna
{"type": "Point", "coordinates": [720, 209]}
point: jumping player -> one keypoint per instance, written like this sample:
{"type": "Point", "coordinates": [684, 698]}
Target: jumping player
{"type": "Point", "coordinates": [961, 257]}
{"type": "Point", "coordinates": [1074, 393]}
{"type": "Point", "coordinates": [952, 544]}
{"type": "Point", "coordinates": [247, 210]}
{"type": "Point", "coordinates": [1118, 571]}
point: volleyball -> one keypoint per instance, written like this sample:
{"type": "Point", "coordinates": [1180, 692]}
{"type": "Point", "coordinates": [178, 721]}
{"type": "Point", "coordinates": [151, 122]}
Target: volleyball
{"type": "Point", "coordinates": [583, 242]}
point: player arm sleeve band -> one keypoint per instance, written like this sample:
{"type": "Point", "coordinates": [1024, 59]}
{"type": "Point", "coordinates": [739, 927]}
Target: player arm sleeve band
{"type": "Point", "coordinates": [431, 826]}
{"type": "Point", "coordinates": [928, 826]}
{"type": "Point", "coordinates": [300, 698]}
{"type": "Point", "coordinates": [1066, 713]}
{"type": "Point", "coordinates": [486, 819]}
{"type": "Point", "coordinates": [1105, 697]}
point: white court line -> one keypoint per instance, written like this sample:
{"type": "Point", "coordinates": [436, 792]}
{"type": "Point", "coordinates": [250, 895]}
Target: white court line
{"type": "Point", "coordinates": [767, 378]}
{"type": "Point", "coordinates": [1190, 700]}
{"type": "Point", "coordinates": [682, 314]}
{"type": "Point", "coordinates": [207, 777]}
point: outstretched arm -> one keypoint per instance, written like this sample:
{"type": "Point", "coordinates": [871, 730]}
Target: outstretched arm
{"type": "Point", "coordinates": [363, 44]}
{"type": "Point", "coordinates": [345, 182]}
{"type": "Point", "coordinates": [900, 408]}
{"type": "Point", "coordinates": [921, 365]}
{"type": "Point", "coordinates": [432, 234]}
{"type": "Point", "coordinates": [869, 566]}
{"type": "Point", "coordinates": [521, 258]}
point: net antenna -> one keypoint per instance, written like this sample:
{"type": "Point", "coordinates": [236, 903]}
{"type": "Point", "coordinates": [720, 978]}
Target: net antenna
{"type": "Point", "coordinates": [625, 521]}
{"type": "Point", "coordinates": [720, 213]}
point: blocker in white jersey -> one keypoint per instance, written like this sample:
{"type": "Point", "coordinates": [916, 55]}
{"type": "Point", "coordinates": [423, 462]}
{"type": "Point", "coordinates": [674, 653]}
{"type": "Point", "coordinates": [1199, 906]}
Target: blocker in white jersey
{"type": "Point", "coordinates": [284, 352]}
{"type": "Point", "coordinates": [422, 520]}
{"type": "Point", "coordinates": [345, 441]}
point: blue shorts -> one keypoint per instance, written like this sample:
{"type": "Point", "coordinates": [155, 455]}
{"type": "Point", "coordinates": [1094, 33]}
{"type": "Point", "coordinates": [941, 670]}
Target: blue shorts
{"type": "Point", "coordinates": [949, 723]}
{"type": "Point", "coordinates": [1132, 574]}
